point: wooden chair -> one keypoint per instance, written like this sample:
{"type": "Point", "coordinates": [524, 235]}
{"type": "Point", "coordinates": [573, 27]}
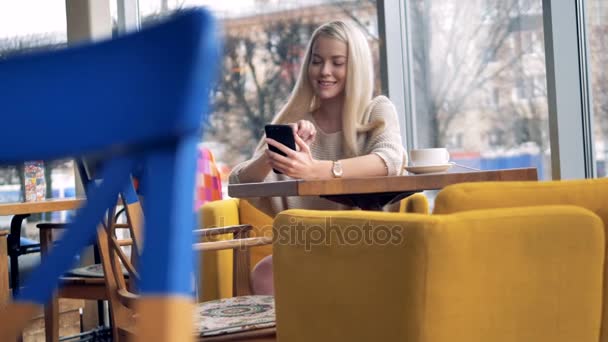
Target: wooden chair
{"type": "Point", "coordinates": [80, 94]}
{"type": "Point", "coordinates": [72, 284]}
{"type": "Point", "coordinates": [122, 295]}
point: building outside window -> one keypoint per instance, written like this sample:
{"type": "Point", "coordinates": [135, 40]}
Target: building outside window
{"type": "Point", "coordinates": [478, 67]}
{"type": "Point", "coordinates": [597, 30]}
{"type": "Point", "coordinates": [486, 93]}
{"type": "Point", "coordinates": [264, 44]}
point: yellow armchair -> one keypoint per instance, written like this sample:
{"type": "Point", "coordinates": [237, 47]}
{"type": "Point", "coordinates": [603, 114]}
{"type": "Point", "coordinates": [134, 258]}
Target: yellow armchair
{"type": "Point", "coordinates": [525, 274]}
{"type": "Point", "coordinates": [591, 194]}
{"type": "Point", "coordinates": [217, 266]}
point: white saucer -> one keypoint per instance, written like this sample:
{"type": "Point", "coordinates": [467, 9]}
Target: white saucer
{"type": "Point", "coordinates": [420, 169]}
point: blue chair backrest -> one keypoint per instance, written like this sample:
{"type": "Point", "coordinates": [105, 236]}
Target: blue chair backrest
{"type": "Point", "coordinates": [135, 90]}
{"type": "Point", "coordinates": [138, 100]}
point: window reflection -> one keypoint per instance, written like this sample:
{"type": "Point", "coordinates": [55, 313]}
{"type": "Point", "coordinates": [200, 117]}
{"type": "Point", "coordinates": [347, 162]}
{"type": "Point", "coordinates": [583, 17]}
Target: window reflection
{"type": "Point", "coordinates": [28, 26]}
{"type": "Point", "coordinates": [264, 43]}
{"type": "Point", "coordinates": [480, 85]}
{"type": "Point", "coordinates": [597, 29]}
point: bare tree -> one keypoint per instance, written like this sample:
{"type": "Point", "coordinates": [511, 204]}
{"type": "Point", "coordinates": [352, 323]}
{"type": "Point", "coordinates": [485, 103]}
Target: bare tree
{"type": "Point", "coordinates": [598, 46]}
{"type": "Point", "coordinates": [18, 45]}
{"type": "Point", "coordinates": [458, 47]}
{"type": "Point", "coordinates": [260, 66]}
{"type": "Point", "coordinates": [350, 10]}
{"type": "Point", "coordinates": [529, 121]}
{"type": "Point", "coordinates": [259, 69]}
{"type": "Point", "coordinates": [526, 118]}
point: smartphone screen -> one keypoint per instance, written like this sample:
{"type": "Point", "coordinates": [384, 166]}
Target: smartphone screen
{"type": "Point", "coordinates": [282, 134]}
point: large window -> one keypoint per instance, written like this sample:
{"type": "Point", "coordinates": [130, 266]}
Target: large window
{"type": "Point", "coordinates": [479, 80]}
{"type": "Point", "coordinates": [27, 26]}
{"type": "Point", "coordinates": [264, 43]}
{"type": "Point", "coordinates": [597, 30]}
{"type": "Point", "coordinates": [30, 25]}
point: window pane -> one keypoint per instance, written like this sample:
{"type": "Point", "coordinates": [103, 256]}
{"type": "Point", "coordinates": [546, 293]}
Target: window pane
{"type": "Point", "coordinates": [597, 28]}
{"type": "Point", "coordinates": [31, 25]}
{"type": "Point", "coordinates": [264, 44]}
{"type": "Point", "coordinates": [480, 85]}
{"type": "Point", "coordinates": [27, 26]}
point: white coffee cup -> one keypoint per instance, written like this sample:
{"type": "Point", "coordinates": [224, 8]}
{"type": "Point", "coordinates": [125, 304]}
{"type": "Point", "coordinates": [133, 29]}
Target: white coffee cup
{"type": "Point", "coordinates": [429, 156]}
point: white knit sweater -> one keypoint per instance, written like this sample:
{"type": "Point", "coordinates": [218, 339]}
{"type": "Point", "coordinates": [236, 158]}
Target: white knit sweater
{"type": "Point", "coordinates": [328, 146]}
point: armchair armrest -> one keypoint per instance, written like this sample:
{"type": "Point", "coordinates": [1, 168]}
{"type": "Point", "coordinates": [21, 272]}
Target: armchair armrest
{"type": "Point", "coordinates": [233, 244]}
{"type": "Point", "coordinates": [240, 244]}
{"type": "Point", "coordinates": [237, 230]}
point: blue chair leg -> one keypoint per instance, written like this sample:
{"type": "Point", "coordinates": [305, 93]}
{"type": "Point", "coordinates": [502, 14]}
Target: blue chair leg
{"type": "Point", "coordinates": [165, 308]}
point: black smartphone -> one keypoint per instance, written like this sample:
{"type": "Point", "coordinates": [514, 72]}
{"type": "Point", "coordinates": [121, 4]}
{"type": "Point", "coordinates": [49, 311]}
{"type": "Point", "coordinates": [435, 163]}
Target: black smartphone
{"type": "Point", "coordinates": [282, 134]}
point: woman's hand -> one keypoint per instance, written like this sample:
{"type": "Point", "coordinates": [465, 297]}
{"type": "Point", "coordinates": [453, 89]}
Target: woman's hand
{"type": "Point", "coordinates": [305, 130]}
{"type": "Point", "coordinates": [297, 164]}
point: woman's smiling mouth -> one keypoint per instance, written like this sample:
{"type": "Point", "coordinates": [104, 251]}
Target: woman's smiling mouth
{"type": "Point", "coordinates": [326, 84]}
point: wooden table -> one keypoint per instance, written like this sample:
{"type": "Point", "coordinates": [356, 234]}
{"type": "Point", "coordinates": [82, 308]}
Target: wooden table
{"type": "Point", "coordinates": [372, 193]}
{"type": "Point", "coordinates": [40, 207]}
{"type": "Point", "coordinates": [20, 212]}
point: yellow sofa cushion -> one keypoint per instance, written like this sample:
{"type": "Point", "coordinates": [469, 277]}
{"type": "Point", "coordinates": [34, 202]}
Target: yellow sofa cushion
{"type": "Point", "coordinates": [216, 274]}
{"type": "Point", "coordinates": [416, 203]}
{"type": "Point", "coordinates": [262, 226]}
{"type": "Point", "coordinates": [217, 267]}
{"type": "Point", "coordinates": [522, 274]}
{"type": "Point", "coordinates": [587, 193]}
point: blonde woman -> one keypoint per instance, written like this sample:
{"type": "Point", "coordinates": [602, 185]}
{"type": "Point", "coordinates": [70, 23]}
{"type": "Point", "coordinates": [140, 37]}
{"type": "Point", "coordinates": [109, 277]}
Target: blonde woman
{"type": "Point", "coordinates": [339, 129]}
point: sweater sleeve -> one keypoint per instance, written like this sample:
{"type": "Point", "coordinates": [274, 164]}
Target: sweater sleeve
{"type": "Point", "coordinates": [387, 144]}
{"type": "Point", "coordinates": [234, 178]}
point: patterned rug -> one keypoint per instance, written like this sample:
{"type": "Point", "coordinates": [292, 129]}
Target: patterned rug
{"type": "Point", "coordinates": [235, 314]}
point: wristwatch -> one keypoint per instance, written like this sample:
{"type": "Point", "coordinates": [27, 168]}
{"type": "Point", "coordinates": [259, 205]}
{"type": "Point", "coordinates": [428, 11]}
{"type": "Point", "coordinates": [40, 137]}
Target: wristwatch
{"type": "Point", "coordinates": [336, 169]}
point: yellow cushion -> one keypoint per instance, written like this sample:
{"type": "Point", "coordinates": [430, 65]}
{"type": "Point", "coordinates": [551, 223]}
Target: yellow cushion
{"type": "Point", "coordinates": [216, 276]}
{"type": "Point", "coordinates": [262, 226]}
{"type": "Point", "coordinates": [217, 266]}
{"type": "Point", "coordinates": [416, 203]}
{"type": "Point", "coordinates": [524, 274]}
{"type": "Point", "coordinates": [587, 193]}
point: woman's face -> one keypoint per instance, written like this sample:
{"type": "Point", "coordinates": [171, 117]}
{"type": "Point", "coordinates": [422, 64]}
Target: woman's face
{"type": "Point", "coordinates": [327, 68]}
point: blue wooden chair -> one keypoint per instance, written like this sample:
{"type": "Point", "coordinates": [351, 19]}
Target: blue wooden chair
{"type": "Point", "coordinates": [135, 100]}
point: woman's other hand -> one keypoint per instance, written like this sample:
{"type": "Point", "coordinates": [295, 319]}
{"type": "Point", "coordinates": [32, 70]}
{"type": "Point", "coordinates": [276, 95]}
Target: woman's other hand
{"type": "Point", "coordinates": [305, 130]}
{"type": "Point", "coordinates": [296, 164]}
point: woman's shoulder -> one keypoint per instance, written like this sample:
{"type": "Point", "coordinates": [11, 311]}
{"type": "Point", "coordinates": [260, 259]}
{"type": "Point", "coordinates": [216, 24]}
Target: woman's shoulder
{"type": "Point", "coordinates": [381, 99]}
{"type": "Point", "coordinates": [381, 106]}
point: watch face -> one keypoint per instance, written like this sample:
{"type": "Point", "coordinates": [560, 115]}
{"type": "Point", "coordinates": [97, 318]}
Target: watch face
{"type": "Point", "coordinates": [337, 169]}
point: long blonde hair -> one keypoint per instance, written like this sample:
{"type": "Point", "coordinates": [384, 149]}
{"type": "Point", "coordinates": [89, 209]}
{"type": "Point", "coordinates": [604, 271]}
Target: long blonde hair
{"type": "Point", "coordinates": [358, 90]}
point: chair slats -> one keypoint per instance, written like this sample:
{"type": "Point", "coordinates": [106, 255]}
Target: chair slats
{"type": "Point", "coordinates": [237, 229]}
